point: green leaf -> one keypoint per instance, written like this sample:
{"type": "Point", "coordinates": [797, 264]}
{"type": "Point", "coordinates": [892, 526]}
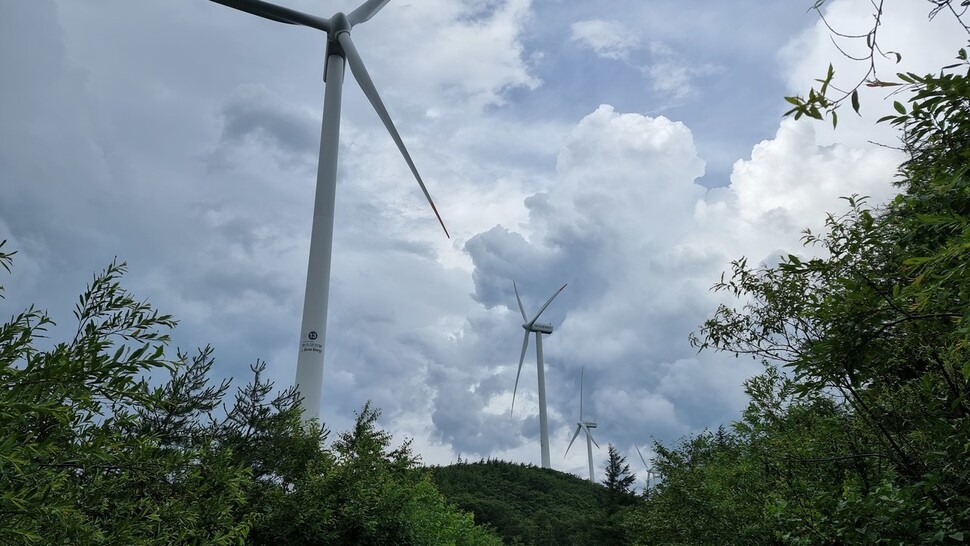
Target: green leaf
{"type": "Point", "coordinates": [899, 107]}
{"type": "Point", "coordinates": [880, 83]}
{"type": "Point", "coordinates": [855, 100]}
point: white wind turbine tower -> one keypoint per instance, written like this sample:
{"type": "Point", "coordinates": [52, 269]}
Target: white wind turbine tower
{"type": "Point", "coordinates": [530, 326]}
{"type": "Point", "coordinates": [645, 465]}
{"type": "Point", "coordinates": [584, 426]}
{"type": "Point", "coordinates": [340, 50]}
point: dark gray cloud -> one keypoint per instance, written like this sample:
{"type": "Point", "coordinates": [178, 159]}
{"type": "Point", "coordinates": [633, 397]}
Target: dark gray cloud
{"type": "Point", "coordinates": [255, 115]}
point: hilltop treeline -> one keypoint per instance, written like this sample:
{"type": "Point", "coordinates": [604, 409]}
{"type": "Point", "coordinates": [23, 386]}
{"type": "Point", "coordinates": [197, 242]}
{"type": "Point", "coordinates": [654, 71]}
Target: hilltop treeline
{"type": "Point", "coordinates": [526, 504]}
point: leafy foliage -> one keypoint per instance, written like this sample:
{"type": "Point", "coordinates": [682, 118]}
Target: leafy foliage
{"type": "Point", "coordinates": [71, 470]}
{"type": "Point", "coordinates": [709, 495]}
{"type": "Point", "coordinates": [857, 431]}
{"type": "Point", "coordinates": [369, 494]}
{"type": "Point", "coordinates": [825, 101]}
{"type": "Point", "coordinates": [92, 453]}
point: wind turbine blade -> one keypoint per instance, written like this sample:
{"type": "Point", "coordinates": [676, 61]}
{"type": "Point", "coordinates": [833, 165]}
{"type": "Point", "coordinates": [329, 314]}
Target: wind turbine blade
{"type": "Point", "coordinates": [277, 13]}
{"type": "Point", "coordinates": [543, 308]}
{"type": "Point", "coordinates": [525, 347]}
{"type": "Point", "coordinates": [578, 427]}
{"type": "Point", "coordinates": [366, 11]}
{"type": "Point", "coordinates": [590, 434]}
{"type": "Point", "coordinates": [518, 299]}
{"type": "Point", "coordinates": [367, 85]}
{"type": "Point", "coordinates": [642, 460]}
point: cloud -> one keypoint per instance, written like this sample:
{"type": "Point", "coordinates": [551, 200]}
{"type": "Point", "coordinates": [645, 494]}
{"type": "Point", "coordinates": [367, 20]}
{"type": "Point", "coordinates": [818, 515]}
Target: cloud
{"type": "Point", "coordinates": [674, 76]}
{"type": "Point", "coordinates": [471, 54]}
{"type": "Point", "coordinates": [772, 188]}
{"type": "Point", "coordinates": [639, 241]}
{"type": "Point", "coordinates": [254, 115]}
{"type": "Point", "coordinates": [608, 39]}
{"type": "Point", "coordinates": [671, 74]}
{"type": "Point", "coordinates": [807, 56]}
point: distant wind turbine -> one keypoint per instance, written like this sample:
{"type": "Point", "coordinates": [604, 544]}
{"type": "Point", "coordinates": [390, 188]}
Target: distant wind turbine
{"type": "Point", "coordinates": [645, 465]}
{"type": "Point", "coordinates": [340, 50]}
{"type": "Point", "coordinates": [530, 326]}
{"type": "Point", "coordinates": [584, 426]}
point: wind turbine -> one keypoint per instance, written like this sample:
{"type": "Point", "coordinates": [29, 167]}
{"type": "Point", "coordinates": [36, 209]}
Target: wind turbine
{"type": "Point", "coordinates": [340, 51]}
{"type": "Point", "coordinates": [530, 326]}
{"type": "Point", "coordinates": [585, 426]}
{"type": "Point", "coordinates": [645, 465]}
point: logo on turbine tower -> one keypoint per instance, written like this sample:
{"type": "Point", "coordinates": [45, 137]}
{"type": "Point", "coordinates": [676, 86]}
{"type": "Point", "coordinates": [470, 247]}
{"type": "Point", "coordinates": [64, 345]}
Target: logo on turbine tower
{"type": "Point", "coordinates": [311, 343]}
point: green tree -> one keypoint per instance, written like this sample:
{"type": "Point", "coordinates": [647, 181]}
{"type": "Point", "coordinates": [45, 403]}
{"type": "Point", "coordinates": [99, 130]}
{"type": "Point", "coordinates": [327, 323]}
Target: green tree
{"type": "Point", "coordinates": [713, 491]}
{"type": "Point", "coordinates": [71, 471]}
{"type": "Point", "coordinates": [856, 433]}
{"type": "Point", "coordinates": [880, 326]}
{"type": "Point", "coordinates": [369, 493]}
{"type": "Point", "coordinates": [618, 477]}
{"type": "Point", "coordinates": [91, 453]}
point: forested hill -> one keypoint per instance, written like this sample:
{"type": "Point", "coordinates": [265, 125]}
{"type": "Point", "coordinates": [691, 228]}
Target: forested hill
{"type": "Point", "coordinates": [526, 504]}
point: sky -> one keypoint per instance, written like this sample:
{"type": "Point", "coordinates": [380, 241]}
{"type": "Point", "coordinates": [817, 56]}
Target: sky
{"type": "Point", "coordinates": [628, 149]}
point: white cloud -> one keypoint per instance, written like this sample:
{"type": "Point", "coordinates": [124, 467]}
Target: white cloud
{"type": "Point", "coordinates": [674, 76]}
{"type": "Point", "coordinates": [793, 179]}
{"type": "Point", "coordinates": [807, 56]}
{"type": "Point", "coordinates": [639, 242]}
{"type": "Point", "coordinates": [608, 39]}
{"type": "Point", "coordinates": [472, 58]}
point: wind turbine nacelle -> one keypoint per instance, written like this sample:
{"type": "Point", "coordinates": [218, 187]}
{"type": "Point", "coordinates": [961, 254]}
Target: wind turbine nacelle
{"type": "Point", "coordinates": [541, 328]}
{"type": "Point", "coordinates": [590, 424]}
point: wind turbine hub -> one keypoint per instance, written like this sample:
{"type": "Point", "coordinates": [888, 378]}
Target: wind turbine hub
{"type": "Point", "coordinates": [339, 24]}
{"type": "Point", "coordinates": [540, 328]}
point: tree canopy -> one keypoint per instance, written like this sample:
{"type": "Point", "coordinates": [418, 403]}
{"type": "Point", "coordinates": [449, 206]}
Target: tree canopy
{"type": "Point", "coordinates": [856, 432]}
{"type": "Point", "coordinates": [92, 452]}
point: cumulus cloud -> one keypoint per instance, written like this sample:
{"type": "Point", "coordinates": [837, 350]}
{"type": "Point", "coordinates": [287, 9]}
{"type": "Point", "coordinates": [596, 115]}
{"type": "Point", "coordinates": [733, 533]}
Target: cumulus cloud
{"type": "Point", "coordinates": [640, 241]}
{"type": "Point", "coordinates": [772, 185]}
{"type": "Point", "coordinates": [608, 39]}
